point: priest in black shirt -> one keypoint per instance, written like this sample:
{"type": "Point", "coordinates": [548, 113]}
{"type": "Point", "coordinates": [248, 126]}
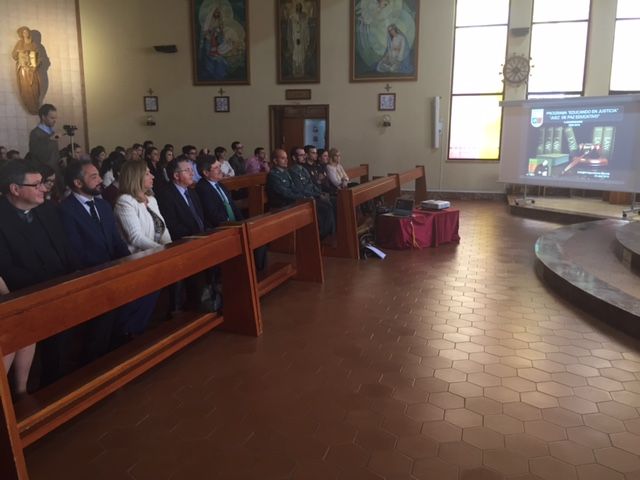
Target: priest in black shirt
{"type": "Point", "coordinates": [33, 246]}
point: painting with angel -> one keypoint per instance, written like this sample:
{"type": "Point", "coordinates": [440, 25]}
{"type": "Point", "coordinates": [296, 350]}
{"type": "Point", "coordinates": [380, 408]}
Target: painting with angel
{"type": "Point", "coordinates": [384, 40]}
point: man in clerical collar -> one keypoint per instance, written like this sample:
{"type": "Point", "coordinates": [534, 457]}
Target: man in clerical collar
{"type": "Point", "coordinates": [33, 247]}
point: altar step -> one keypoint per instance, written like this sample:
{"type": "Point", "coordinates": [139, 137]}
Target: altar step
{"type": "Point", "coordinates": [595, 265]}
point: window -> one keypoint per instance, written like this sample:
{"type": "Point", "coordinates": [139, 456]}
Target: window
{"type": "Point", "coordinates": [624, 79]}
{"type": "Point", "coordinates": [479, 51]}
{"type": "Point", "coordinates": [558, 47]}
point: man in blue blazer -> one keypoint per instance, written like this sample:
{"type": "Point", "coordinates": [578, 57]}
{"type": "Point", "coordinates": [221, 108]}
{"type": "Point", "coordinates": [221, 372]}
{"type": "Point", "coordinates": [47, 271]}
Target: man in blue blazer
{"type": "Point", "coordinates": [217, 204]}
{"type": "Point", "coordinates": [91, 229]}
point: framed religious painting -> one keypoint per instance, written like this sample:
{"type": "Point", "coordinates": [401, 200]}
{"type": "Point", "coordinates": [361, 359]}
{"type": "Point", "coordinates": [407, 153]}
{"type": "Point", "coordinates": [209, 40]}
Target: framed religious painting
{"type": "Point", "coordinates": [221, 104]}
{"type": "Point", "coordinates": [386, 102]}
{"type": "Point", "coordinates": [298, 41]}
{"type": "Point", "coordinates": [384, 40]}
{"type": "Point", "coordinates": [220, 42]}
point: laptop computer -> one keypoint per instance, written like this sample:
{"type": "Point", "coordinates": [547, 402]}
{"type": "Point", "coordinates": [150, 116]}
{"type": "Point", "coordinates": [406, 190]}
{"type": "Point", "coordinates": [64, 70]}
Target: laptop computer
{"type": "Point", "coordinates": [403, 207]}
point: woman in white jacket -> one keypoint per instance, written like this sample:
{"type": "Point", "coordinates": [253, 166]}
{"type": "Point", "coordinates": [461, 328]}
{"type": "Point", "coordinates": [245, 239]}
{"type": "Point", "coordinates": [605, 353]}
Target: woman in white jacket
{"type": "Point", "coordinates": [136, 210]}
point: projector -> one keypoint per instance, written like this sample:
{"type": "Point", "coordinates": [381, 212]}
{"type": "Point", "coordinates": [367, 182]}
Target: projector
{"type": "Point", "coordinates": [434, 204]}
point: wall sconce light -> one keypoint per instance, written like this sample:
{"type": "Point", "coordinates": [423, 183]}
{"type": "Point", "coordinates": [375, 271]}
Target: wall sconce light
{"type": "Point", "coordinates": [150, 121]}
{"type": "Point", "coordinates": [386, 120]}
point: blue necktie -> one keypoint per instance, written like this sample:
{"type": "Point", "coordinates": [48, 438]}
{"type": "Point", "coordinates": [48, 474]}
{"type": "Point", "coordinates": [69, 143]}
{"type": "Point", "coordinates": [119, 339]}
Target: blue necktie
{"type": "Point", "coordinates": [194, 212]}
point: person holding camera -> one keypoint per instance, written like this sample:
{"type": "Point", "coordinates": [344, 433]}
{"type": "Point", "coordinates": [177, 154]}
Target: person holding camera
{"type": "Point", "coordinates": [43, 143]}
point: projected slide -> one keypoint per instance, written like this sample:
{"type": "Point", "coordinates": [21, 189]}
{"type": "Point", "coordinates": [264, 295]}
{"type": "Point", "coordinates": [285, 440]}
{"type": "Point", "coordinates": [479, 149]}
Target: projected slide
{"type": "Point", "coordinates": [580, 142]}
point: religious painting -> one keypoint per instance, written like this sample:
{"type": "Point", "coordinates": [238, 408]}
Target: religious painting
{"type": "Point", "coordinates": [220, 42]}
{"type": "Point", "coordinates": [298, 41]}
{"type": "Point", "coordinates": [221, 104]}
{"type": "Point", "coordinates": [384, 40]}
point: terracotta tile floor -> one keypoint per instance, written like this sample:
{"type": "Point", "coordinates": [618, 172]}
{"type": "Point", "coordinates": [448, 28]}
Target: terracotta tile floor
{"type": "Point", "coordinates": [447, 363]}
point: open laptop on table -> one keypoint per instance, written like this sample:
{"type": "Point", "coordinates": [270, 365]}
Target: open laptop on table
{"type": "Point", "coordinates": [403, 207]}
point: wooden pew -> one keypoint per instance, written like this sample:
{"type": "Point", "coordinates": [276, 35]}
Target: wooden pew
{"type": "Point", "coordinates": [301, 223]}
{"type": "Point", "coordinates": [346, 241]}
{"type": "Point", "coordinates": [255, 183]}
{"type": "Point", "coordinates": [416, 174]}
{"type": "Point", "coordinates": [34, 314]}
{"type": "Point", "coordinates": [361, 172]}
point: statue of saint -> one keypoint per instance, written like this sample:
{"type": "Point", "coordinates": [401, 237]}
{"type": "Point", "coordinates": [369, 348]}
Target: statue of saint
{"type": "Point", "coordinates": [28, 56]}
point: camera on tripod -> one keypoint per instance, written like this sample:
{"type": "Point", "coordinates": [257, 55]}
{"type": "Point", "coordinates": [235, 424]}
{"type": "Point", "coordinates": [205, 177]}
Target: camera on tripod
{"type": "Point", "coordinates": [69, 130]}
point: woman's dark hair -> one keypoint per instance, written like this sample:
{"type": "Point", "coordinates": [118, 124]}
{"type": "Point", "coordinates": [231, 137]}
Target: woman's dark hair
{"type": "Point", "coordinates": [109, 162]}
{"type": "Point", "coordinates": [163, 157]}
{"type": "Point", "coordinates": [96, 151]}
{"type": "Point", "coordinates": [149, 151]}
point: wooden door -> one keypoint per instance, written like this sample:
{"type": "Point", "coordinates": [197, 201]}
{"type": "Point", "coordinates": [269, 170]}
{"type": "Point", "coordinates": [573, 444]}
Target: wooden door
{"type": "Point", "coordinates": [287, 124]}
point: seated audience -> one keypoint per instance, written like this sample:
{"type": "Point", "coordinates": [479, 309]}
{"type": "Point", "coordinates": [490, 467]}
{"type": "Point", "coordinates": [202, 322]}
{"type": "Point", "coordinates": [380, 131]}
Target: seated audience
{"type": "Point", "coordinates": [282, 191]}
{"type": "Point", "coordinates": [106, 171]}
{"type": "Point", "coordinates": [236, 160]}
{"type": "Point", "coordinates": [112, 192]}
{"type": "Point", "coordinates": [137, 213]}
{"type": "Point", "coordinates": [335, 171]}
{"type": "Point", "coordinates": [217, 204]}
{"type": "Point", "coordinates": [160, 177]}
{"type": "Point", "coordinates": [312, 165]}
{"type": "Point", "coordinates": [181, 209]}
{"type": "Point", "coordinates": [91, 228]}
{"type": "Point", "coordinates": [98, 155]}
{"type": "Point", "coordinates": [13, 155]}
{"type": "Point", "coordinates": [49, 181]}
{"type": "Point", "coordinates": [225, 166]}
{"type": "Point", "coordinates": [33, 249]}
{"type": "Point", "coordinates": [179, 204]}
{"type": "Point", "coordinates": [3, 154]}
{"type": "Point", "coordinates": [259, 162]}
{"type": "Point", "coordinates": [191, 153]}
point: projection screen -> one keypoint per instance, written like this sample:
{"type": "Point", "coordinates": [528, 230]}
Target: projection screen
{"type": "Point", "coordinates": [581, 142]}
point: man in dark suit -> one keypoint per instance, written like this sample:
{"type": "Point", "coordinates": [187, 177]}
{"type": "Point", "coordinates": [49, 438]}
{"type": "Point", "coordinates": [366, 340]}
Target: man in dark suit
{"type": "Point", "coordinates": [91, 230]}
{"type": "Point", "coordinates": [33, 247]}
{"type": "Point", "coordinates": [43, 142]}
{"type": "Point", "coordinates": [179, 204]}
{"type": "Point", "coordinates": [217, 204]}
{"type": "Point", "coordinates": [182, 212]}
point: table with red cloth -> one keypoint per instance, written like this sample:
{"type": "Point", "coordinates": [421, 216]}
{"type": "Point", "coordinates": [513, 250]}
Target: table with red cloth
{"type": "Point", "coordinates": [424, 228]}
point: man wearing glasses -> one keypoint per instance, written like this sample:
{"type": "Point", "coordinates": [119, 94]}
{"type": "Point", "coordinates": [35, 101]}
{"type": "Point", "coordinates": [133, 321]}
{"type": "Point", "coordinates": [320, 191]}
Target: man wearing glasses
{"type": "Point", "coordinates": [190, 152]}
{"type": "Point", "coordinates": [33, 246]}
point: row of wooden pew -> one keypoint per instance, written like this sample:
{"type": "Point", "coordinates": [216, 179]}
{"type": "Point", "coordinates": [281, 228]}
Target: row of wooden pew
{"type": "Point", "coordinates": [346, 242]}
{"type": "Point", "coordinates": [35, 314]}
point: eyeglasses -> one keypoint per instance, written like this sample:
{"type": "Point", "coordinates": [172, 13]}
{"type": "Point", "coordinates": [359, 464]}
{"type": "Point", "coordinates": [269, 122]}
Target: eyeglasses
{"type": "Point", "coordinates": [40, 185]}
{"type": "Point", "coordinates": [184, 170]}
{"type": "Point", "coordinates": [193, 153]}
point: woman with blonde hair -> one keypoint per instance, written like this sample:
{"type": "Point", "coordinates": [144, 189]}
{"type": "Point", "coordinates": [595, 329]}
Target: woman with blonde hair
{"type": "Point", "coordinates": [335, 171]}
{"type": "Point", "coordinates": [136, 210]}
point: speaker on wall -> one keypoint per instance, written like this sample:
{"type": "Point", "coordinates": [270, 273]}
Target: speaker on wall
{"type": "Point", "coordinates": [165, 48]}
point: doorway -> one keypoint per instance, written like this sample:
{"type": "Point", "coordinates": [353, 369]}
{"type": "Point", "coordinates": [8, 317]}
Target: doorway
{"type": "Point", "coordinates": [298, 125]}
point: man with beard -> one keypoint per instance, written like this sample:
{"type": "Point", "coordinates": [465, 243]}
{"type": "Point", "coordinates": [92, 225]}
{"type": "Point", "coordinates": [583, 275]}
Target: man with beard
{"type": "Point", "coordinates": [91, 230]}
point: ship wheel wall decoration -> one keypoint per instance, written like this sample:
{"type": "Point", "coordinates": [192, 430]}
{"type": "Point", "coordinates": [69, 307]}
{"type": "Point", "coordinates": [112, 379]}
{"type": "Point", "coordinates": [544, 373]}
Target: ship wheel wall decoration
{"type": "Point", "coordinates": [516, 69]}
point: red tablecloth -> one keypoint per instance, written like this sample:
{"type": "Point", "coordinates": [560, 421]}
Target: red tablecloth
{"type": "Point", "coordinates": [423, 228]}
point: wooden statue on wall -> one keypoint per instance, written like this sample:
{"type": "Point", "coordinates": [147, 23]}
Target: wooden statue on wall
{"type": "Point", "coordinates": [31, 68]}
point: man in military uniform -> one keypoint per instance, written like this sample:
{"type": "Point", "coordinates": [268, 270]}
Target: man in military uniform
{"type": "Point", "coordinates": [284, 187]}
